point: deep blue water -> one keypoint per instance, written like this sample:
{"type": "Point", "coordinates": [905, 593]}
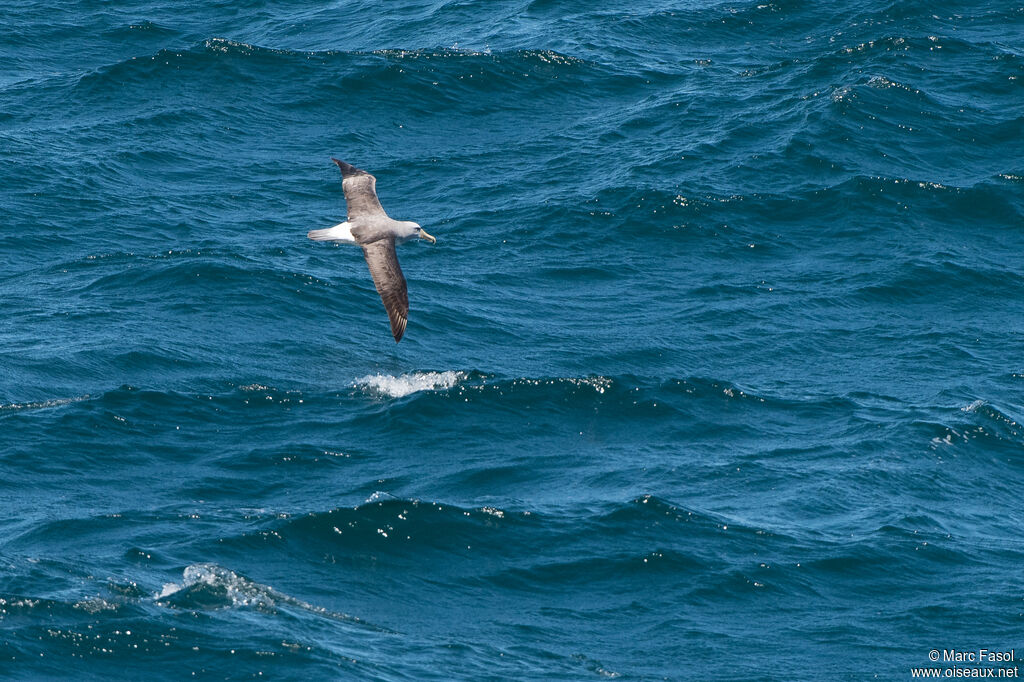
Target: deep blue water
{"type": "Point", "coordinates": [714, 373]}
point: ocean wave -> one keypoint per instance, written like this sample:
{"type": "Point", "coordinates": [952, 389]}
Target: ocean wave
{"type": "Point", "coordinates": [979, 424]}
{"type": "Point", "coordinates": [148, 30]}
{"type": "Point", "coordinates": [472, 382]}
{"type": "Point", "coordinates": [42, 404]}
{"type": "Point", "coordinates": [939, 280]}
{"type": "Point", "coordinates": [384, 521]}
{"type": "Point", "coordinates": [209, 586]}
{"type": "Point", "coordinates": [617, 399]}
{"type": "Point", "coordinates": [229, 46]}
{"type": "Point", "coordinates": [172, 272]}
{"type": "Point", "coordinates": [400, 386]}
{"type": "Point", "coordinates": [499, 66]}
{"type": "Point", "coordinates": [387, 523]}
{"type": "Point", "coordinates": [557, 575]}
{"type": "Point", "coordinates": [682, 216]}
{"type": "Point", "coordinates": [549, 551]}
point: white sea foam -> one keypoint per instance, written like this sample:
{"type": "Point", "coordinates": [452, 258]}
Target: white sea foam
{"type": "Point", "coordinates": [973, 407]}
{"type": "Point", "coordinates": [241, 591]}
{"type": "Point", "coordinates": [94, 605]}
{"type": "Point", "coordinates": [167, 590]}
{"type": "Point", "coordinates": [244, 592]}
{"type": "Point", "coordinates": [397, 387]}
{"type": "Point", "coordinates": [598, 383]}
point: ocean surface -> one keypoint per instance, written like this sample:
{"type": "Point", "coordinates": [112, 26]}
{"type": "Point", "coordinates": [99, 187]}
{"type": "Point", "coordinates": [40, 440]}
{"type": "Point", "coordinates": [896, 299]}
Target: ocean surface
{"type": "Point", "coordinates": [715, 371]}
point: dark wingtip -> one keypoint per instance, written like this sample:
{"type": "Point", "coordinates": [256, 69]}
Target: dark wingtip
{"type": "Point", "coordinates": [347, 169]}
{"type": "Point", "coordinates": [398, 329]}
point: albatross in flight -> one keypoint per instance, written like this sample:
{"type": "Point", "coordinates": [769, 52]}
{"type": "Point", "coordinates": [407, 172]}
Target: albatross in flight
{"type": "Point", "coordinates": [370, 227]}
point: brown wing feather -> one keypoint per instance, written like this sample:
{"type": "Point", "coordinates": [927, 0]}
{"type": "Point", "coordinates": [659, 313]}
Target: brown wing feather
{"type": "Point", "coordinates": [390, 282]}
{"type": "Point", "coordinates": [360, 191]}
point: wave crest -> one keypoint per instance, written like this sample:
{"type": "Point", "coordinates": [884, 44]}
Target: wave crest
{"type": "Point", "coordinates": [207, 585]}
{"type": "Point", "coordinates": [406, 384]}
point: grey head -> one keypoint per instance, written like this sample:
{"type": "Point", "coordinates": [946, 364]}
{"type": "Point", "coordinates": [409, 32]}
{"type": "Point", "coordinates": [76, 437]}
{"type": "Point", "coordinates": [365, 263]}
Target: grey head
{"type": "Point", "coordinates": [405, 230]}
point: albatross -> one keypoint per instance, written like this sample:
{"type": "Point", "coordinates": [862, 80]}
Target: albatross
{"type": "Point", "coordinates": [370, 227]}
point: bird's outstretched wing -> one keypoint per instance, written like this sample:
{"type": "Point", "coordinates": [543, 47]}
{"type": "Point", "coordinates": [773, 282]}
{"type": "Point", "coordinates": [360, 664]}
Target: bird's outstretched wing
{"type": "Point", "coordinates": [360, 192]}
{"type": "Point", "coordinates": [390, 283]}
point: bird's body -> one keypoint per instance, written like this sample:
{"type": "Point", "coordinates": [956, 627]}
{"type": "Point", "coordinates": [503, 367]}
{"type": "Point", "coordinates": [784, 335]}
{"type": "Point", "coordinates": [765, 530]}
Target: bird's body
{"type": "Point", "coordinates": [370, 227]}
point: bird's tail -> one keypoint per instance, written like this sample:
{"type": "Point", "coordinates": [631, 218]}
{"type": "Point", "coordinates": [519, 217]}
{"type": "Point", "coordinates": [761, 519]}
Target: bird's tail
{"type": "Point", "coordinates": [338, 233]}
{"type": "Point", "coordinates": [320, 235]}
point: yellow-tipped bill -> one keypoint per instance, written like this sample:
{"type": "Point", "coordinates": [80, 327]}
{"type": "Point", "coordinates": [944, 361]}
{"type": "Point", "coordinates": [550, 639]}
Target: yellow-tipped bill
{"type": "Point", "coordinates": [424, 235]}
